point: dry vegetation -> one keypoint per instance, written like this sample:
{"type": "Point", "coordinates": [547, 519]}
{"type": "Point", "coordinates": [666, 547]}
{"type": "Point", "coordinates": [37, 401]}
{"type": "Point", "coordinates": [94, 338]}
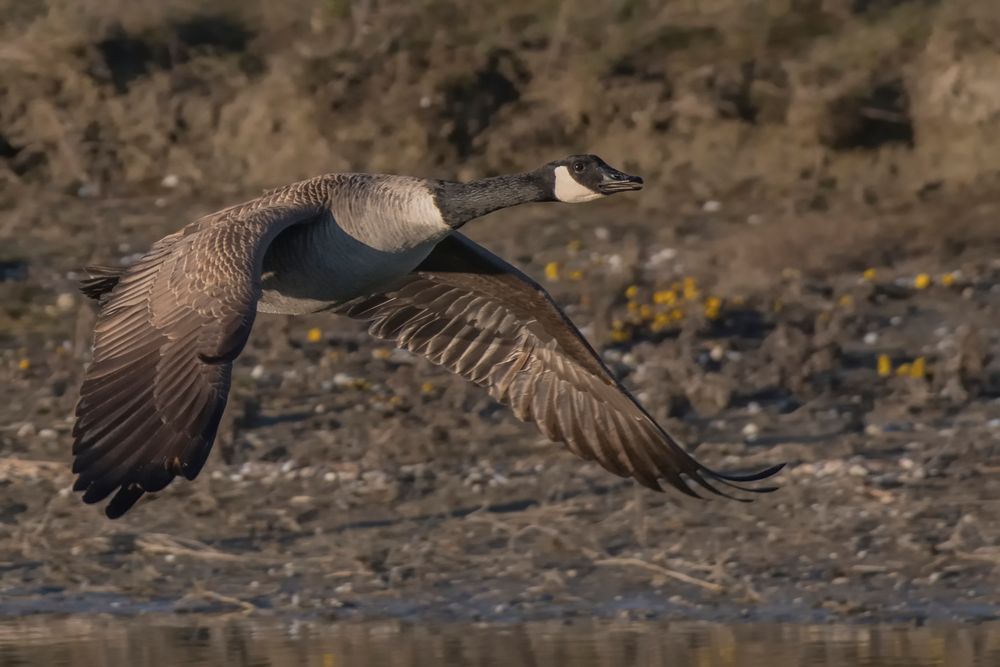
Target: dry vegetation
{"type": "Point", "coordinates": [873, 98]}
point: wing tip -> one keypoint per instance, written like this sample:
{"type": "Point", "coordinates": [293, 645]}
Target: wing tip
{"type": "Point", "coordinates": [770, 471]}
{"type": "Point", "coordinates": [738, 481]}
{"type": "Point", "coordinates": [94, 492]}
{"type": "Point", "coordinates": [123, 501]}
{"type": "Point", "coordinates": [100, 281]}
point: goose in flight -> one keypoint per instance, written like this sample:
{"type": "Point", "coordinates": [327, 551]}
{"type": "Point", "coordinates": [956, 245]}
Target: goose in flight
{"type": "Point", "coordinates": [378, 248]}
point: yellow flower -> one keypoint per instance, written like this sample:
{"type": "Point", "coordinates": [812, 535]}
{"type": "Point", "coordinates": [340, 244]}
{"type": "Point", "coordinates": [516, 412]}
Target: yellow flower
{"type": "Point", "coordinates": [427, 388]}
{"type": "Point", "coordinates": [918, 368]}
{"type": "Point", "coordinates": [922, 281]}
{"type": "Point", "coordinates": [903, 369]}
{"type": "Point", "coordinates": [870, 274]}
{"type": "Point", "coordinates": [677, 314]}
{"type": "Point", "coordinates": [619, 332]}
{"type": "Point", "coordinates": [314, 335]}
{"type": "Point", "coordinates": [633, 307]}
{"type": "Point", "coordinates": [660, 322]}
{"type": "Point", "coordinates": [690, 287]}
{"type": "Point", "coordinates": [574, 246]}
{"type": "Point", "coordinates": [948, 279]}
{"type": "Point", "coordinates": [576, 275]}
{"type": "Point", "coordinates": [665, 297]}
{"type": "Point", "coordinates": [631, 291]}
{"type": "Point", "coordinates": [713, 307]}
{"type": "Point", "coordinates": [381, 353]}
{"type": "Point", "coordinates": [621, 336]}
{"type": "Point", "coordinates": [884, 365]}
{"type": "Point", "coordinates": [552, 271]}
{"type": "Point", "coordinates": [645, 311]}
{"type": "Point", "coordinates": [24, 364]}
{"type": "Point", "coordinates": [846, 300]}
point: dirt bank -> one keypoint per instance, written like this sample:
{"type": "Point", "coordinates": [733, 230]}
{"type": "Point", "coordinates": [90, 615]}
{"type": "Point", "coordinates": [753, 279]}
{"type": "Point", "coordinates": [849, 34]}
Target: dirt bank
{"type": "Point", "coordinates": [877, 99]}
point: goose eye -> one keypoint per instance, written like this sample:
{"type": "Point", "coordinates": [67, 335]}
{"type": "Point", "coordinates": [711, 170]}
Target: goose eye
{"type": "Point", "coordinates": [578, 167]}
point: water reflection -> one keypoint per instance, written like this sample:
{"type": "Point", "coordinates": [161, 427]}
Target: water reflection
{"type": "Point", "coordinates": [113, 642]}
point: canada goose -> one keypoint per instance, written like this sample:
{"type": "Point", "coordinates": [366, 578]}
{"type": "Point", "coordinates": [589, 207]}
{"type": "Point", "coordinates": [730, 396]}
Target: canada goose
{"type": "Point", "coordinates": [378, 248]}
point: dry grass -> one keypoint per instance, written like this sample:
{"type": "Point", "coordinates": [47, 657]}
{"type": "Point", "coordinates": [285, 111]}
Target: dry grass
{"type": "Point", "coordinates": [111, 95]}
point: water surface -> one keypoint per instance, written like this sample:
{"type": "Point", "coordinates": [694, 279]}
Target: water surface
{"type": "Point", "coordinates": [191, 642]}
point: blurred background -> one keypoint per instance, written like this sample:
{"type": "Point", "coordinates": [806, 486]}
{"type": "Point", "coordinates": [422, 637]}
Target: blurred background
{"type": "Point", "coordinates": [811, 275]}
{"type": "Point", "coordinates": [815, 99]}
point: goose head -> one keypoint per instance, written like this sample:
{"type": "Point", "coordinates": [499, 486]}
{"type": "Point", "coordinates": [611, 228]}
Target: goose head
{"type": "Point", "coordinates": [580, 178]}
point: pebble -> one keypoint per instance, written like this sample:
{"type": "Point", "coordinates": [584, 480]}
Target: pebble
{"type": "Point", "coordinates": [662, 257]}
{"type": "Point", "coordinates": [65, 301]}
{"type": "Point", "coordinates": [751, 431]}
{"type": "Point", "coordinates": [26, 430]}
{"type": "Point", "coordinates": [257, 372]}
{"type": "Point", "coordinates": [171, 181]}
{"type": "Point", "coordinates": [343, 380]}
{"type": "Point", "coordinates": [48, 434]}
{"type": "Point", "coordinates": [871, 338]}
{"type": "Point", "coordinates": [712, 206]}
{"type": "Point", "coordinates": [88, 190]}
{"type": "Point", "coordinates": [400, 356]}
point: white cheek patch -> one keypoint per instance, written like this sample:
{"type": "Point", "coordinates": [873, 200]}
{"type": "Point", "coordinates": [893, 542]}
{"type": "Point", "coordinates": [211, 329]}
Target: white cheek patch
{"type": "Point", "coordinates": [569, 190]}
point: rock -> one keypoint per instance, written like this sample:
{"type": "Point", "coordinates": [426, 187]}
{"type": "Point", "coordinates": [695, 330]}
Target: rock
{"type": "Point", "coordinates": [65, 301]}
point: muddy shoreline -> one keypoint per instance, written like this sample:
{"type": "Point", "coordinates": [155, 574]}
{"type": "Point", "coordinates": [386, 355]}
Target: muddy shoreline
{"type": "Point", "coordinates": [352, 481]}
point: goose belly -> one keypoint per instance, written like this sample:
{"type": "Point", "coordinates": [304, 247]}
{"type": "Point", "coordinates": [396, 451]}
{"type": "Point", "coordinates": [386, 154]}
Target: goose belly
{"type": "Point", "coordinates": [307, 281]}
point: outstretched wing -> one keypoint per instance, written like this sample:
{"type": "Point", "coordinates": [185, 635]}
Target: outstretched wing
{"type": "Point", "coordinates": [164, 343]}
{"type": "Point", "coordinates": [473, 313]}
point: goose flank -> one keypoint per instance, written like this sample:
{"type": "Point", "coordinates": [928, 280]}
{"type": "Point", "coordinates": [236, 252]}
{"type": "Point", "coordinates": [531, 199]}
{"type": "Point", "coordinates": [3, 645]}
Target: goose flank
{"type": "Point", "coordinates": [378, 248]}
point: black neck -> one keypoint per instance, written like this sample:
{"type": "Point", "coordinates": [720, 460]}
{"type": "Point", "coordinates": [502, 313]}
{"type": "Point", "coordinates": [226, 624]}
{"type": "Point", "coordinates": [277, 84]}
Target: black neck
{"type": "Point", "coordinates": [461, 202]}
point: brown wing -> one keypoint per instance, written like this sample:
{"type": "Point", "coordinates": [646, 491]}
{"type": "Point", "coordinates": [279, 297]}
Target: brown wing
{"type": "Point", "coordinates": [164, 343]}
{"type": "Point", "coordinates": [470, 311]}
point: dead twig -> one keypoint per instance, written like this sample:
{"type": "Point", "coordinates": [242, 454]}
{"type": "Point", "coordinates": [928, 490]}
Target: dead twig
{"type": "Point", "coordinates": [659, 569]}
{"type": "Point", "coordinates": [203, 594]}
{"type": "Point", "coordinates": [158, 543]}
